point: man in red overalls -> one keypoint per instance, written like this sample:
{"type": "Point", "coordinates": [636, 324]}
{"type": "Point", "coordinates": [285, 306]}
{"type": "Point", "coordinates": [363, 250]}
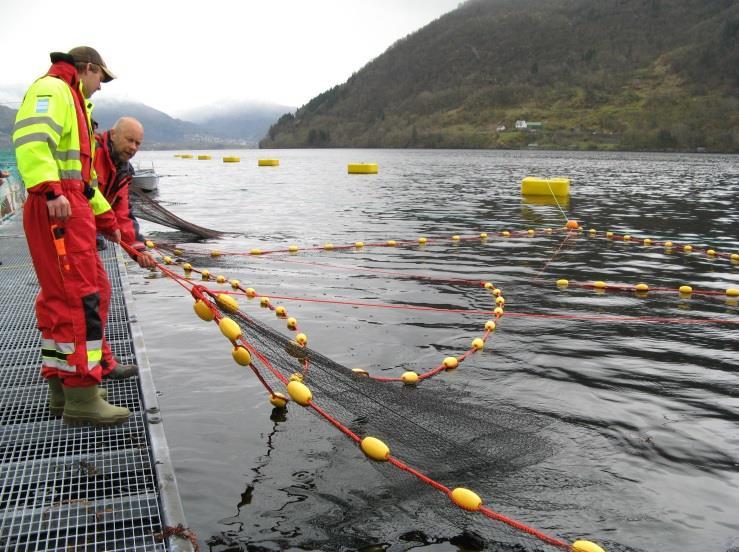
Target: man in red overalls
{"type": "Point", "coordinates": [54, 149]}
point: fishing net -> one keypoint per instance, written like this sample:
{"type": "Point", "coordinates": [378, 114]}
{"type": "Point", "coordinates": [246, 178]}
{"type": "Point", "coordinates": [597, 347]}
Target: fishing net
{"type": "Point", "coordinates": [147, 208]}
{"type": "Point", "coordinates": [439, 429]}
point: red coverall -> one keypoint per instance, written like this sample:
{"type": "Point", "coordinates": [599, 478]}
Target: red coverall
{"type": "Point", "coordinates": [68, 304]}
{"type": "Point", "coordinates": [116, 192]}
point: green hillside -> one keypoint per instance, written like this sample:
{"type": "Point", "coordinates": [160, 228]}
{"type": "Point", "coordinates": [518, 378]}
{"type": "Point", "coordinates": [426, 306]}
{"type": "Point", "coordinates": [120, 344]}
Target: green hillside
{"type": "Point", "coordinates": [597, 74]}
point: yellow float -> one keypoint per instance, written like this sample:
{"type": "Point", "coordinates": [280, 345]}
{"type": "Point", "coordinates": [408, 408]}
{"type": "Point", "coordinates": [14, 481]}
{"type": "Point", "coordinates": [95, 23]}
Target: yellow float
{"type": "Point", "coordinates": [231, 159]}
{"type": "Point", "coordinates": [362, 168]}
{"type": "Point", "coordinates": [534, 186]}
{"type": "Point", "coordinates": [268, 162]}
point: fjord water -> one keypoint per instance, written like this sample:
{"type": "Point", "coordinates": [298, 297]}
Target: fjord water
{"type": "Point", "coordinates": [639, 415]}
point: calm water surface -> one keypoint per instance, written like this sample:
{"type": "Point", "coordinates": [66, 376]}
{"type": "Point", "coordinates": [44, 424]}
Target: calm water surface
{"type": "Point", "coordinates": [640, 418]}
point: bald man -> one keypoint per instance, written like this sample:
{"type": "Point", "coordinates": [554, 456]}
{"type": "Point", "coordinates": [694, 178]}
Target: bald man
{"type": "Point", "coordinates": [115, 149]}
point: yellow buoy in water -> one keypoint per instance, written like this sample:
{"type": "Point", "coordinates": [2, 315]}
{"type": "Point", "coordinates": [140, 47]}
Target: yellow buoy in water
{"type": "Point", "coordinates": [466, 499]}
{"type": "Point", "coordinates": [641, 287]}
{"type": "Point", "coordinates": [235, 284]}
{"type": "Point", "coordinates": [292, 323]}
{"type": "Point", "coordinates": [360, 372]}
{"type": "Point", "coordinates": [711, 252]}
{"type": "Point", "coordinates": [264, 302]}
{"type": "Point", "coordinates": [500, 300]}
{"type": "Point", "coordinates": [227, 303]}
{"type": "Point", "coordinates": [186, 156]}
{"type": "Point", "coordinates": [255, 251]}
{"type": "Point", "coordinates": [375, 449]}
{"type": "Point", "coordinates": [167, 260]}
{"type": "Point", "coordinates": [599, 284]}
{"type": "Point", "coordinates": [205, 275]}
{"type": "Point", "coordinates": [478, 344]}
{"type": "Point", "coordinates": [204, 157]}
{"type": "Point", "coordinates": [231, 159]}
{"type": "Point", "coordinates": [422, 241]}
{"type": "Point", "coordinates": [203, 310]}
{"type": "Point", "coordinates": [585, 546]}
{"type": "Point", "coordinates": [505, 234]}
{"type": "Point", "coordinates": [293, 249]}
{"type": "Point", "coordinates": [299, 393]}
{"type": "Point", "coordinates": [668, 244]}
{"type": "Point", "coordinates": [627, 237]}
{"type": "Point", "coordinates": [359, 245]}
{"type": "Point", "coordinates": [483, 235]}
{"type": "Point", "coordinates": [490, 326]}
{"type": "Point", "coordinates": [250, 293]}
{"type": "Point", "coordinates": [609, 234]}
{"type": "Point", "coordinates": [685, 289]}
{"type": "Point", "coordinates": [498, 311]}
{"type": "Point", "coordinates": [280, 312]}
{"type": "Point", "coordinates": [488, 285]}
{"type": "Point", "coordinates": [362, 168]}
{"type": "Point", "coordinates": [562, 282]}
{"type": "Point", "coordinates": [328, 246]}
{"type": "Point", "coordinates": [409, 378]}
{"type": "Point", "coordinates": [450, 363]}
{"type": "Point", "coordinates": [688, 248]}
{"type": "Point", "coordinates": [302, 339]}
{"type": "Point", "coordinates": [278, 400]}
{"type": "Point", "coordinates": [732, 292]}
{"type": "Point", "coordinates": [221, 279]}
{"type": "Point", "coordinates": [532, 185]}
{"type": "Point", "coordinates": [735, 257]}
{"type": "Point", "coordinates": [647, 241]}
{"type": "Point", "coordinates": [187, 267]}
{"type": "Point", "coordinates": [456, 238]}
{"type": "Point", "coordinates": [391, 243]}
{"type": "Point", "coordinates": [241, 356]}
{"type": "Point", "coordinates": [268, 162]}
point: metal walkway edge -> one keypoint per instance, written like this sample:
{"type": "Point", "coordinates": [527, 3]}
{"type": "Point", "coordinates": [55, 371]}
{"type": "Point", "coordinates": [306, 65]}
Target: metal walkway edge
{"type": "Point", "coordinates": [78, 488]}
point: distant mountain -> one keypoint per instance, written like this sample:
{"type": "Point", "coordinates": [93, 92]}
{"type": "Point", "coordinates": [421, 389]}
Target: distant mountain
{"type": "Point", "coordinates": [160, 130]}
{"type": "Point", "coordinates": [240, 124]}
{"type": "Point", "coordinates": [238, 119]}
{"type": "Point", "coordinates": [619, 74]}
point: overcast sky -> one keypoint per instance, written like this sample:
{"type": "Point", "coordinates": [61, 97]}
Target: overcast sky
{"type": "Point", "coordinates": [175, 55]}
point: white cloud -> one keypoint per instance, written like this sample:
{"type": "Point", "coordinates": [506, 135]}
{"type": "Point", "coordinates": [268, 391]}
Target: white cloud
{"type": "Point", "coordinates": [174, 55]}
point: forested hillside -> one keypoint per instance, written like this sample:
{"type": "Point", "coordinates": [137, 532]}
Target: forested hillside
{"type": "Point", "coordinates": [597, 74]}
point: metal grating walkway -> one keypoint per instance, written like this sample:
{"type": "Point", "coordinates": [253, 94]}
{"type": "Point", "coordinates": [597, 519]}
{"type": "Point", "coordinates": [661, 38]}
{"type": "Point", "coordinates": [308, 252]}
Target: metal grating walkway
{"type": "Point", "coordinates": [77, 488]}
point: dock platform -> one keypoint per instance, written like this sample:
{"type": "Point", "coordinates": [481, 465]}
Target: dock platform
{"type": "Point", "coordinates": [79, 488]}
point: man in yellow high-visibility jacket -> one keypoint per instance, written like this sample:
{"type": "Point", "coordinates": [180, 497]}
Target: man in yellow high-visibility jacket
{"type": "Point", "coordinates": [54, 148]}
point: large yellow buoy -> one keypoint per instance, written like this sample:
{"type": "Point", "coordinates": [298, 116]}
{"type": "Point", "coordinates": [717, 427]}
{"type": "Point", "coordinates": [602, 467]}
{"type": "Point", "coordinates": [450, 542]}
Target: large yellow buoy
{"type": "Point", "coordinates": [563, 282]}
{"type": "Point", "coordinates": [466, 499]}
{"type": "Point", "coordinates": [280, 312]}
{"type": "Point", "coordinates": [641, 287]}
{"type": "Point", "coordinates": [490, 326]}
{"type": "Point", "coordinates": [732, 292]}
{"type": "Point", "coordinates": [299, 393]}
{"type": "Point", "coordinates": [735, 257]}
{"type": "Point", "coordinates": [375, 449]}
{"type": "Point", "coordinates": [268, 162]}
{"type": "Point", "coordinates": [585, 546]}
{"type": "Point", "coordinates": [532, 185]}
{"type": "Point", "coordinates": [227, 303]}
{"type": "Point", "coordinates": [203, 310]}
{"type": "Point", "coordinates": [229, 328]}
{"type": "Point", "coordinates": [241, 355]}
{"type": "Point", "coordinates": [685, 290]}
{"type": "Point", "coordinates": [478, 344]}
{"type": "Point", "coordinates": [235, 284]}
{"type": "Point", "coordinates": [362, 168]}
{"type": "Point", "coordinates": [292, 323]}
{"type": "Point", "coordinates": [302, 339]}
{"type": "Point", "coordinates": [251, 293]}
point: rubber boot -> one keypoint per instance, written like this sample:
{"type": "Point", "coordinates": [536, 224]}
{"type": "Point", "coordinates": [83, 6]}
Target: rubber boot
{"type": "Point", "coordinates": [83, 405]}
{"type": "Point", "coordinates": [122, 371]}
{"type": "Point", "coordinates": [56, 396]}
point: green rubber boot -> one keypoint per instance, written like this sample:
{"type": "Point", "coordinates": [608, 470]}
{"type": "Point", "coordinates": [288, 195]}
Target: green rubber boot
{"type": "Point", "coordinates": [56, 396]}
{"type": "Point", "coordinates": [83, 405]}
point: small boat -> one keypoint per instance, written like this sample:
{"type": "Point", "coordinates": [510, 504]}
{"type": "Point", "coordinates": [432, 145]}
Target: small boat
{"type": "Point", "coordinates": [146, 180]}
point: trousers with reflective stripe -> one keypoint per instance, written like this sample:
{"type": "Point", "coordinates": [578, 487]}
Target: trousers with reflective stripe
{"type": "Point", "coordinates": [68, 307]}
